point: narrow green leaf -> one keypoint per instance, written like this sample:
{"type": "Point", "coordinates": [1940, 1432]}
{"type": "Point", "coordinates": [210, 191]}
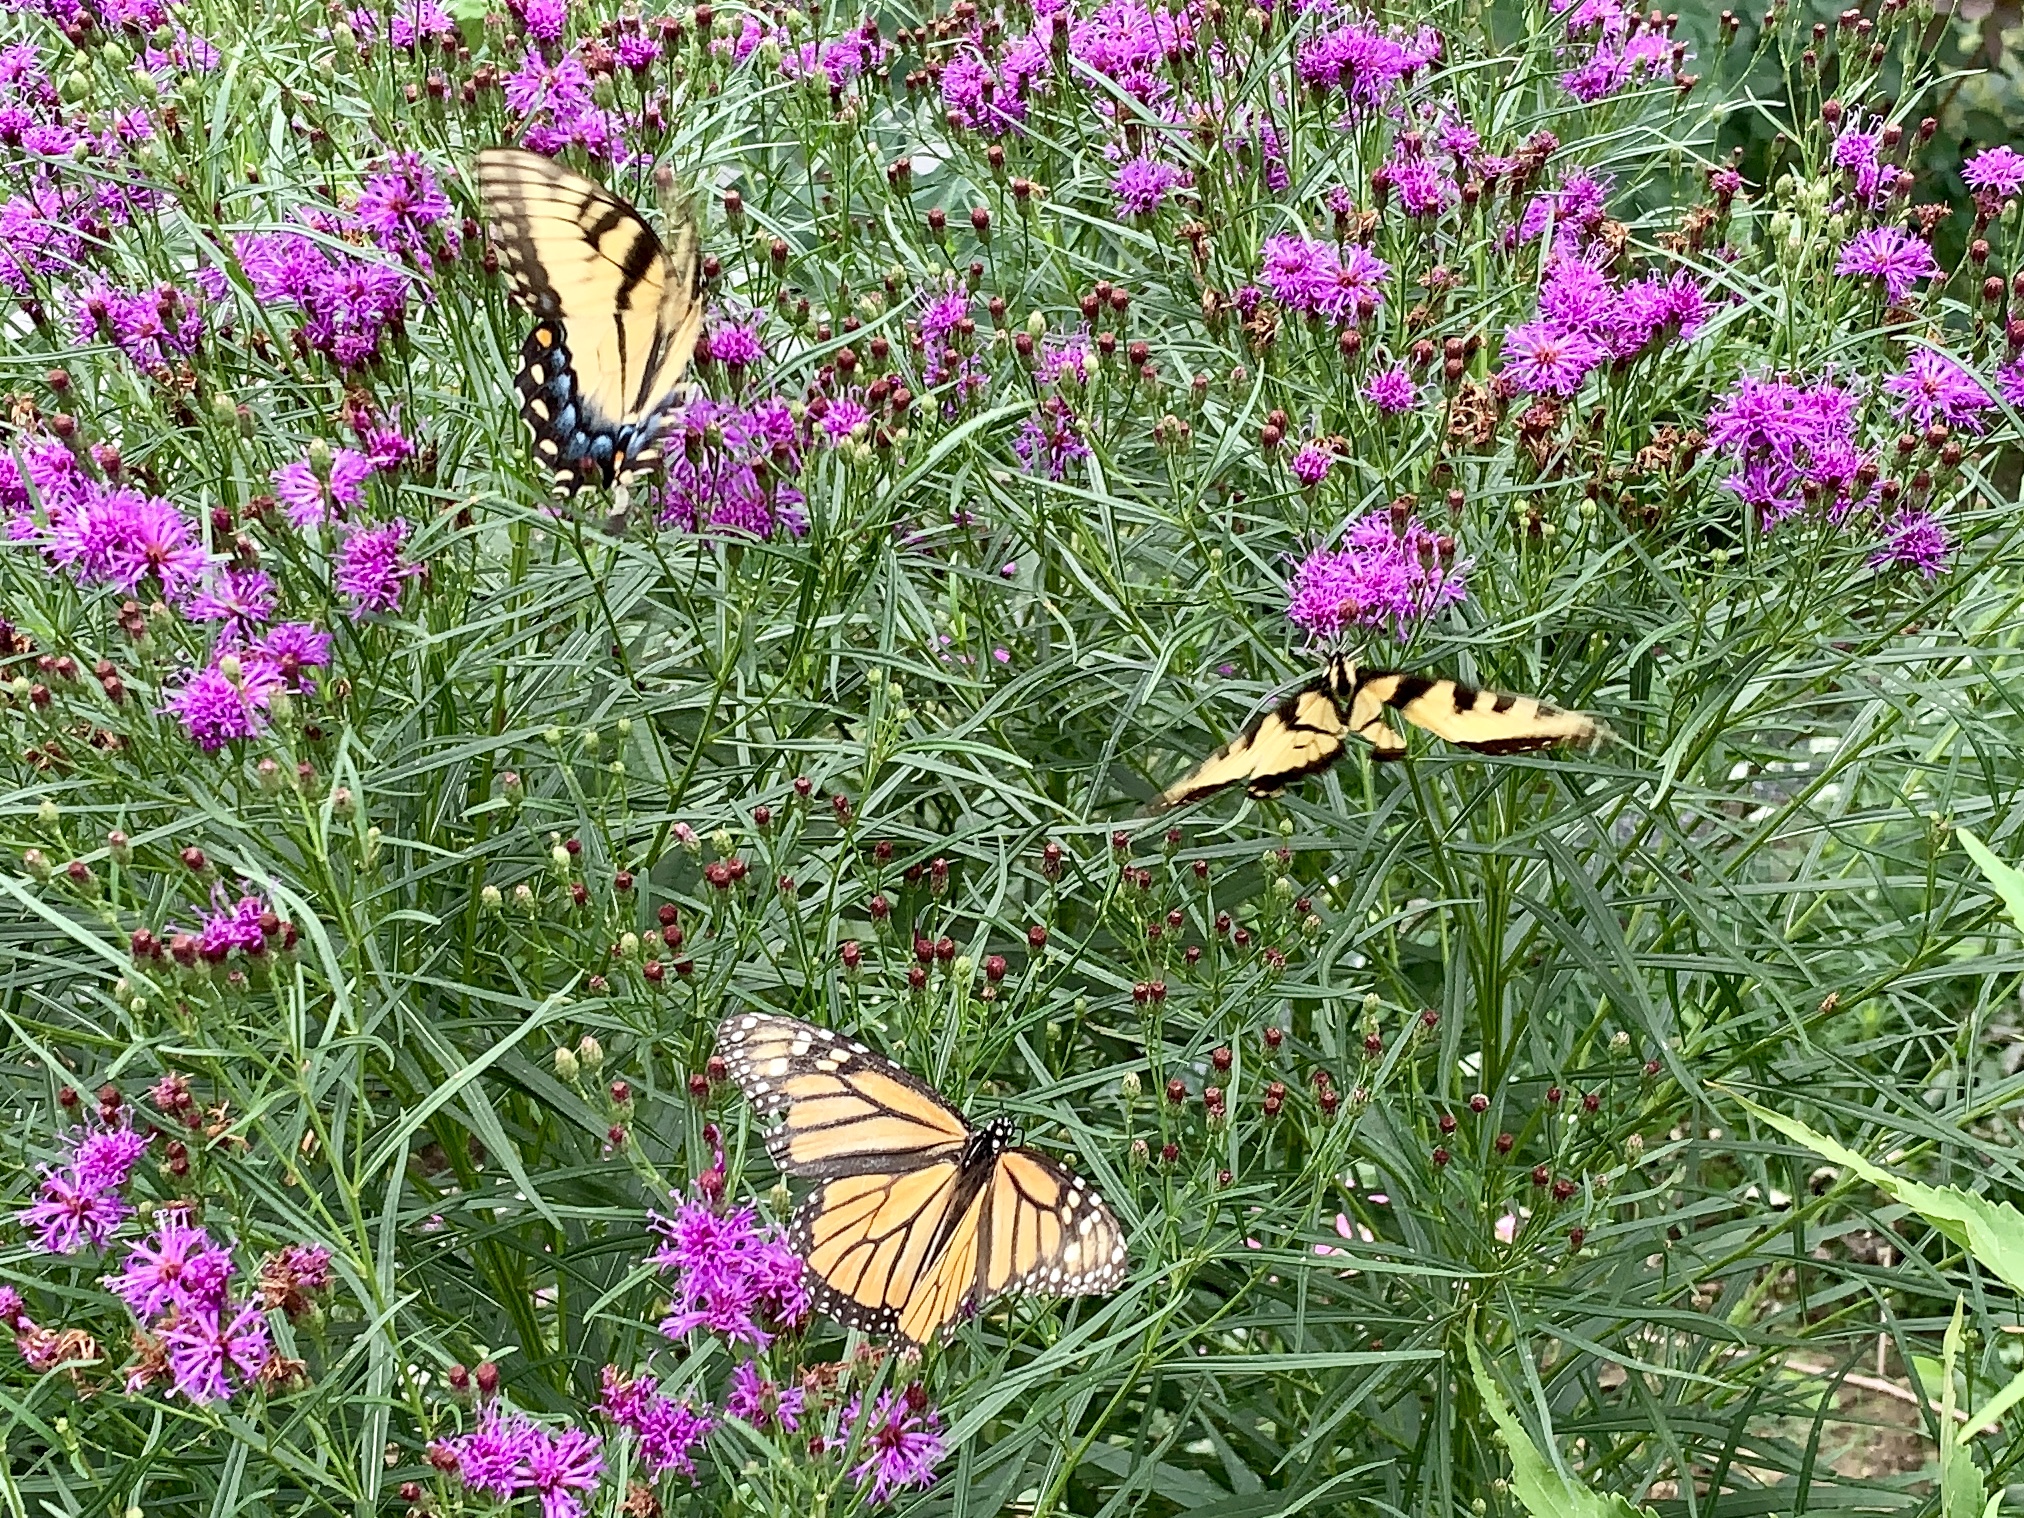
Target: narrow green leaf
{"type": "Point", "coordinates": [2007, 879]}
{"type": "Point", "coordinates": [1962, 1492]}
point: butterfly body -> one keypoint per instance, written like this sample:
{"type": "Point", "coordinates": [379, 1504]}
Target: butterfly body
{"type": "Point", "coordinates": [919, 1219]}
{"type": "Point", "coordinates": [1306, 733]}
{"type": "Point", "coordinates": [617, 317]}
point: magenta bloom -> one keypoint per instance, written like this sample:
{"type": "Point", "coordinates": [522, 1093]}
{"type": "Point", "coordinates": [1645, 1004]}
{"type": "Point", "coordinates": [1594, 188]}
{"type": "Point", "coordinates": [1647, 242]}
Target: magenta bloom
{"type": "Point", "coordinates": [1142, 184]}
{"type": "Point", "coordinates": [241, 598]}
{"type": "Point", "coordinates": [106, 1158]}
{"type": "Point", "coordinates": [312, 502]}
{"type": "Point", "coordinates": [1914, 539]}
{"type": "Point", "coordinates": [216, 706]}
{"type": "Point", "coordinates": [1380, 578]}
{"type": "Point", "coordinates": [400, 205]}
{"type": "Point", "coordinates": [370, 568]}
{"type": "Point", "coordinates": [1392, 390]}
{"type": "Point", "coordinates": [1314, 279]}
{"type": "Point", "coordinates": [206, 1343]}
{"type": "Point", "coordinates": [669, 1432]}
{"type": "Point", "coordinates": [1366, 64]}
{"type": "Point", "coordinates": [901, 1439]}
{"type": "Point", "coordinates": [68, 1213]}
{"type": "Point", "coordinates": [1546, 360]}
{"type": "Point", "coordinates": [491, 1458]}
{"type": "Point", "coordinates": [560, 1465]}
{"type": "Point", "coordinates": [1998, 169]}
{"type": "Point", "coordinates": [729, 1274]}
{"type": "Point", "coordinates": [1312, 463]}
{"type": "Point", "coordinates": [176, 1269]}
{"type": "Point", "coordinates": [151, 327]}
{"type": "Point", "coordinates": [1935, 388]}
{"type": "Point", "coordinates": [1896, 258]}
{"type": "Point", "coordinates": [1786, 438]}
{"type": "Point", "coordinates": [755, 1400]}
{"type": "Point", "coordinates": [1049, 443]}
{"type": "Point", "coordinates": [735, 348]}
{"type": "Point", "coordinates": [841, 416]}
{"type": "Point", "coordinates": [121, 537]}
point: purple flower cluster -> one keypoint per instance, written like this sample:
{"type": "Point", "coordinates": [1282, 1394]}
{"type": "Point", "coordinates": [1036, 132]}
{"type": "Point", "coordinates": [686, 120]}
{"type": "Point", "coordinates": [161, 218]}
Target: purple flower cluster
{"type": "Point", "coordinates": [370, 566]}
{"type": "Point", "coordinates": [761, 1403]}
{"type": "Point", "coordinates": [1367, 64]}
{"type": "Point", "coordinates": [508, 1454]}
{"type": "Point", "coordinates": [1384, 576]}
{"type": "Point", "coordinates": [79, 1201]}
{"type": "Point", "coordinates": [899, 1434]}
{"type": "Point", "coordinates": [726, 464]}
{"type": "Point", "coordinates": [730, 1276]}
{"type": "Point", "coordinates": [405, 24]}
{"type": "Point", "coordinates": [1143, 183]}
{"type": "Point", "coordinates": [314, 496]}
{"type": "Point", "coordinates": [177, 1284]}
{"type": "Point", "coordinates": [1998, 170]}
{"type": "Point", "coordinates": [1585, 321]}
{"type": "Point", "coordinates": [1858, 152]}
{"type": "Point", "coordinates": [1623, 48]}
{"type": "Point", "coordinates": [151, 327]}
{"type": "Point", "coordinates": [405, 212]}
{"type": "Point", "coordinates": [1935, 388]}
{"type": "Point", "coordinates": [1050, 440]}
{"type": "Point", "coordinates": [1341, 285]}
{"type": "Point", "coordinates": [1895, 259]}
{"type": "Point", "coordinates": [856, 53]}
{"type": "Point", "coordinates": [1792, 443]}
{"type": "Point", "coordinates": [351, 303]}
{"type": "Point", "coordinates": [231, 696]}
{"type": "Point", "coordinates": [668, 1432]}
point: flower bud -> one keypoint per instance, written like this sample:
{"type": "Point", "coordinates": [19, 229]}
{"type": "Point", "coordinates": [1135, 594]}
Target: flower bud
{"type": "Point", "coordinates": [566, 1067]}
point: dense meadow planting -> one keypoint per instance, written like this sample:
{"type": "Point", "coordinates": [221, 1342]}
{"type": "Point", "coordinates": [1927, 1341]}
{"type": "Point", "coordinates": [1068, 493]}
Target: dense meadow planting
{"type": "Point", "coordinates": [382, 842]}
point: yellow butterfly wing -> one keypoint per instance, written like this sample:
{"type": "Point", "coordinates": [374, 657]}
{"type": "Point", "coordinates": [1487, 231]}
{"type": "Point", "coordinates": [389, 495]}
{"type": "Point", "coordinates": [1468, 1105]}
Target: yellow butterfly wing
{"type": "Point", "coordinates": [617, 315]}
{"type": "Point", "coordinates": [1486, 721]}
{"type": "Point", "coordinates": [1299, 737]}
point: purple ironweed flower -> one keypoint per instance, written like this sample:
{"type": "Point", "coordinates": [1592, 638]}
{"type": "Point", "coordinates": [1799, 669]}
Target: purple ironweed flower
{"type": "Point", "coordinates": [289, 1278]}
{"type": "Point", "coordinates": [1366, 64]}
{"type": "Point", "coordinates": [1072, 357]}
{"type": "Point", "coordinates": [2000, 169]}
{"type": "Point", "coordinates": [1312, 462]}
{"type": "Point", "coordinates": [231, 925]}
{"type": "Point", "coordinates": [1382, 577]}
{"type": "Point", "coordinates": [2010, 382]}
{"type": "Point", "coordinates": [1622, 57]}
{"type": "Point", "coordinates": [1313, 278]}
{"type": "Point", "coordinates": [1787, 437]}
{"type": "Point", "coordinates": [205, 1343]}
{"type": "Point", "coordinates": [176, 1269]}
{"type": "Point", "coordinates": [216, 705]}
{"type": "Point", "coordinates": [728, 1274]}
{"type": "Point", "coordinates": [1914, 539]}
{"type": "Point", "coordinates": [1896, 258]}
{"type": "Point", "coordinates": [1935, 388]}
{"type": "Point", "coordinates": [1392, 390]}
{"type": "Point", "coordinates": [560, 1465]}
{"type": "Point", "coordinates": [901, 1440]}
{"type": "Point", "coordinates": [68, 1213]}
{"type": "Point", "coordinates": [151, 327]}
{"type": "Point", "coordinates": [843, 416]}
{"type": "Point", "coordinates": [491, 1458]}
{"type": "Point", "coordinates": [349, 303]}
{"type": "Point", "coordinates": [1142, 184]}
{"type": "Point", "coordinates": [982, 99]}
{"type": "Point", "coordinates": [370, 568]}
{"type": "Point", "coordinates": [943, 313]}
{"type": "Point", "coordinates": [1859, 150]}
{"type": "Point", "coordinates": [310, 501]}
{"type": "Point", "coordinates": [105, 1158]}
{"type": "Point", "coordinates": [755, 1400]}
{"type": "Point", "coordinates": [289, 650]}
{"type": "Point", "coordinates": [404, 23]}
{"type": "Point", "coordinates": [1547, 360]}
{"type": "Point", "coordinates": [1421, 186]}
{"type": "Point", "coordinates": [241, 598]}
{"type": "Point", "coordinates": [46, 475]}
{"type": "Point", "coordinates": [711, 483]}
{"type": "Point", "coordinates": [546, 20]}
{"type": "Point", "coordinates": [669, 1432]}
{"type": "Point", "coordinates": [121, 536]}
{"type": "Point", "coordinates": [735, 348]}
{"type": "Point", "coordinates": [1049, 440]}
{"type": "Point", "coordinates": [399, 205]}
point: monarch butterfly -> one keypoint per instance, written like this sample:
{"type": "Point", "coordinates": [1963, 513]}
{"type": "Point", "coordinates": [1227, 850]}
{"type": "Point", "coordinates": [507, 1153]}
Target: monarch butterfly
{"type": "Point", "coordinates": [919, 1219]}
{"type": "Point", "coordinates": [1305, 733]}
{"type": "Point", "coordinates": [617, 316]}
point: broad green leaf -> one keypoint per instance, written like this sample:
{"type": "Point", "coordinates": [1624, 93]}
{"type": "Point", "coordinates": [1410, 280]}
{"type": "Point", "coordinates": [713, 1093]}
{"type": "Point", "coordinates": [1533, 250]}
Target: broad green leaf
{"type": "Point", "coordinates": [1542, 1487]}
{"type": "Point", "coordinates": [2007, 879]}
{"type": "Point", "coordinates": [1962, 1493]}
{"type": "Point", "coordinates": [1993, 1232]}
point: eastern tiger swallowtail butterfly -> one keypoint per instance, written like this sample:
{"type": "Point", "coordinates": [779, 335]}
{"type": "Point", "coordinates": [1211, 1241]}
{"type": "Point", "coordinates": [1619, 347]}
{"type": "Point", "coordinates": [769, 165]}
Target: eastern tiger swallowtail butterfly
{"type": "Point", "coordinates": [616, 316]}
{"type": "Point", "coordinates": [1305, 733]}
{"type": "Point", "coordinates": [919, 1219]}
